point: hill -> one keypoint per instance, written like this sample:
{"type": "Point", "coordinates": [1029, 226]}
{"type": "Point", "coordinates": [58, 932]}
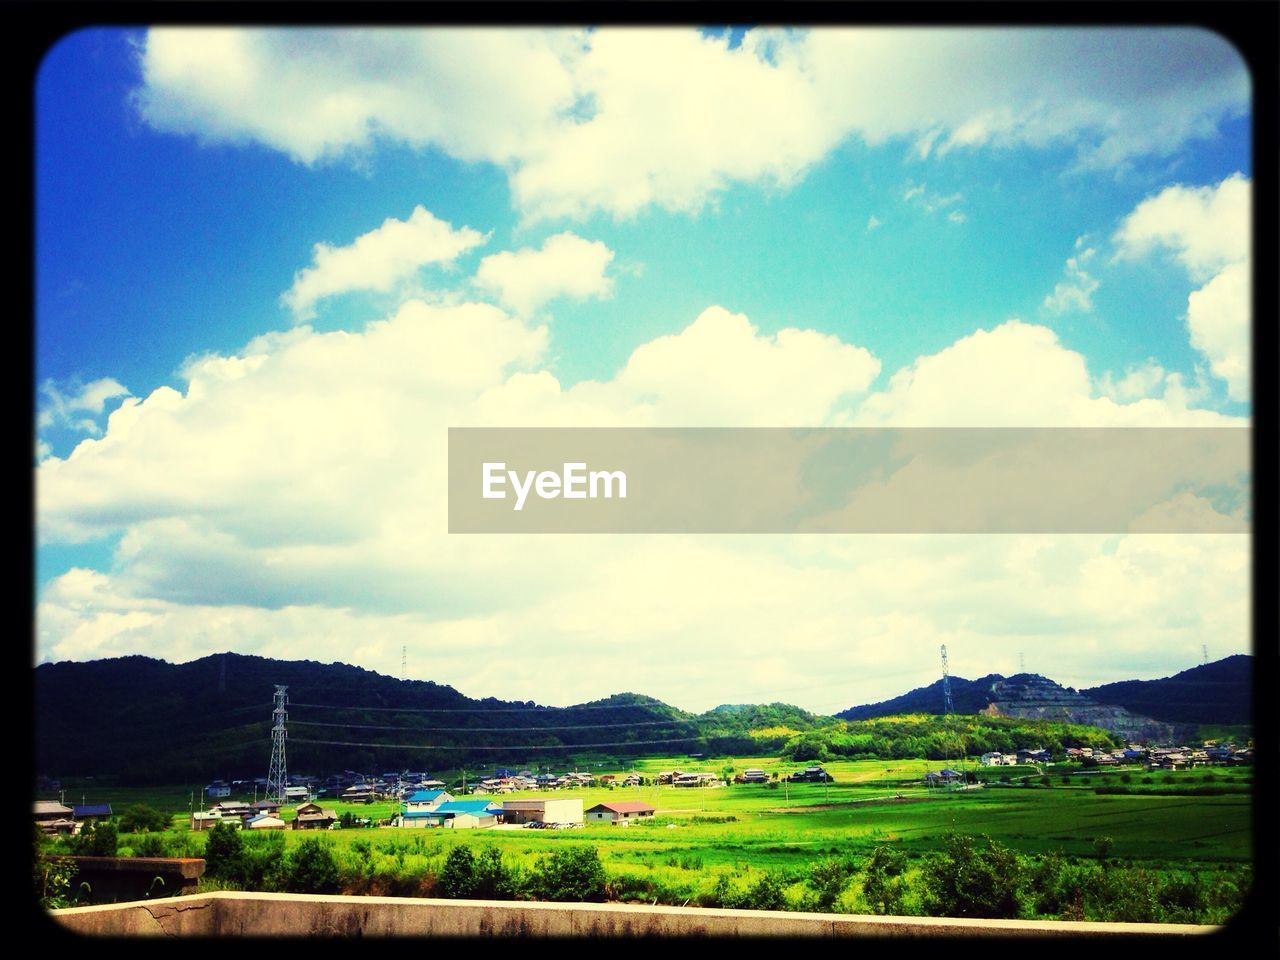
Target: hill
{"type": "Point", "coordinates": [1216, 693]}
{"type": "Point", "coordinates": [146, 720]}
{"type": "Point", "coordinates": [1135, 710]}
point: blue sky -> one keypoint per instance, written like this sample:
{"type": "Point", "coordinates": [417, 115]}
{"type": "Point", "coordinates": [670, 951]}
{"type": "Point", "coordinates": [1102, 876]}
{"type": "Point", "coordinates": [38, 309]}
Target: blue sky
{"type": "Point", "coordinates": [980, 228]}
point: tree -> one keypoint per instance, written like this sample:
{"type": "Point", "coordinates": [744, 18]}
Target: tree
{"type": "Point", "coordinates": [457, 880]}
{"type": "Point", "coordinates": [884, 885]}
{"type": "Point", "coordinates": [569, 875]}
{"type": "Point", "coordinates": [224, 855]}
{"type": "Point", "coordinates": [312, 868]}
{"type": "Point", "coordinates": [96, 840]}
{"type": "Point", "coordinates": [140, 818]}
{"type": "Point", "coordinates": [974, 880]}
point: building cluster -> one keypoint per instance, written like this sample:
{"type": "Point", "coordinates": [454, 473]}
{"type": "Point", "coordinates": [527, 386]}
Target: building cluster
{"type": "Point", "coordinates": [53, 817]}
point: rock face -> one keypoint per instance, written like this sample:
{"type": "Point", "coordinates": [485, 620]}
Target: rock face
{"type": "Point", "coordinates": [1030, 696]}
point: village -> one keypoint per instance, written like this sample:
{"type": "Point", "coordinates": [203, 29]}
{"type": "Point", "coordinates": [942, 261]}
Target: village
{"type": "Point", "coordinates": [426, 802]}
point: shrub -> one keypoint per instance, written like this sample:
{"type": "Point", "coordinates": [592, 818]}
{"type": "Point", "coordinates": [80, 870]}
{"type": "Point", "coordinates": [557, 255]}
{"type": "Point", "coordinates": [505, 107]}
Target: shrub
{"type": "Point", "coordinates": [150, 845]}
{"type": "Point", "coordinates": [457, 880]}
{"type": "Point", "coordinates": [972, 880]}
{"type": "Point", "coordinates": [884, 883]}
{"type": "Point", "coordinates": [140, 818]}
{"type": "Point", "coordinates": [312, 868]}
{"type": "Point", "coordinates": [264, 866]}
{"type": "Point", "coordinates": [828, 879]}
{"type": "Point", "coordinates": [96, 840]}
{"type": "Point", "coordinates": [224, 853]}
{"type": "Point", "coordinates": [574, 874]}
{"type": "Point", "coordinates": [494, 880]}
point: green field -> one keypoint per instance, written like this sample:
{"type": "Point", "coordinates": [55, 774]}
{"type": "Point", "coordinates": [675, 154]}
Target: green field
{"type": "Point", "coordinates": [870, 802]}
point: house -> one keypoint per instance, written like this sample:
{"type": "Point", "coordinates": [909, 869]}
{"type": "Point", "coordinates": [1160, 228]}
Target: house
{"type": "Point", "coordinates": [205, 821]}
{"type": "Point", "coordinates": [945, 775]}
{"type": "Point", "coordinates": [217, 790]}
{"type": "Point", "coordinates": [993, 759]}
{"type": "Point", "coordinates": [266, 806]}
{"type": "Point", "coordinates": [235, 808]}
{"type": "Point", "coordinates": [360, 793]}
{"type": "Point", "coordinates": [311, 816]}
{"type": "Point", "coordinates": [91, 812]}
{"type": "Point", "coordinates": [633, 780]}
{"type": "Point", "coordinates": [457, 814]}
{"type": "Point", "coordinates": [48, 810]}
{"type": "Point", "coordinates": [694, 779]}
{"type": "Point", "coordinates": [545, 810]}
{"type": "Point", "coordinates": [264, 821]}
{"type": "Point", "coordinates": [294, 794]}
{"type": "Point", "coordinates": [754, 775]}
{"type": "Point", "coordinates": [620, 813]}
{"type": "Point", "coordinates": [60, 827]}
{"type": "Point", "coordinates": [426, 800]}
{"type": "Point", "coordinates": [811, 775]}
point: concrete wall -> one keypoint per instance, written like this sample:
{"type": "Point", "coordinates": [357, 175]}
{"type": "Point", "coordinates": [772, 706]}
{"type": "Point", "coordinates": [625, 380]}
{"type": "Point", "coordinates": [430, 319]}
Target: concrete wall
{"type": "Point", "coordinates": [281, 914]}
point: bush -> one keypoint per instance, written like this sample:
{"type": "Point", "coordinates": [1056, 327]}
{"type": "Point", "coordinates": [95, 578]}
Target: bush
{"type": "Point", "coordinates": [574, 874]}
{"type": "Point", "coordinates": [96, 840]}
{"type": "Point", "coordinates": [884, 883]}
{"type": "Point", "coordinates": [312, 868]}
{"type": "Point", "coordinates": [140, 818]}
{"type": "Point", "coordinates": [150, 845]}
{"type": "Point", "coordinates": [457, 881]}
{"type": "Point", "coordinates": [224, 853]}
{"type": "Point", "coordinates": [973, 880]}
{"type": "Point", "coordinates": [494, 880]}
{"type": "Point", "coordinates": [828, 878]}
{"type": "Point", "coordinates": [264, 866]}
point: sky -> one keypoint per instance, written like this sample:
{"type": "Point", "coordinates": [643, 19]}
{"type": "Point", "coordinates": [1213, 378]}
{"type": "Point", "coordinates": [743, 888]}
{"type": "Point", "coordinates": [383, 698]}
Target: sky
{"type": "Point", "coordinates": [274, 266]}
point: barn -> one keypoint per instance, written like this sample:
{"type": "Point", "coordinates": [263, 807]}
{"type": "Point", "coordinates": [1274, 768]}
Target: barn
{"type": "Point", "coordinates": [543, 809]}
{"type": "Point", "coordinates": [623, 812]}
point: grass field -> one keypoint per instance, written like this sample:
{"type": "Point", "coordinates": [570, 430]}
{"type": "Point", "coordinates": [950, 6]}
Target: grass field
{"type": "Point", "coordinates": [870, 802]}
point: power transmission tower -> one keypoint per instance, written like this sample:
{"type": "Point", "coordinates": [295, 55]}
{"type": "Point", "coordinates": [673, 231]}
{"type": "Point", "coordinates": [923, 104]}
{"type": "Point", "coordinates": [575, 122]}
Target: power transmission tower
{"type": "Point", "coordinates": [277, 778]}
{"type": "Point", "coordinates": [1022, 663]}
{"type": "Point", "coordinates": [1204, 653]}
{"type": "Point", "coordinates": [404, 662]}
{"type": "Point", "coordinates": [947, 706]}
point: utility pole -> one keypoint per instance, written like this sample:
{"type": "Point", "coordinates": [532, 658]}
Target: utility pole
{"type": "Point", "coordinates": [947, 706]}
{"type": "Point", "coordinates": [277, 777]}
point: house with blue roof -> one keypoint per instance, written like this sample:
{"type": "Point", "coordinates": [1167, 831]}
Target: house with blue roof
{"type": "Point", "coordinates": [91, 811]}
{"type": "Point", "coordinates": [426, 800]}
{"type": "Point", "coordinates": [456, 814]}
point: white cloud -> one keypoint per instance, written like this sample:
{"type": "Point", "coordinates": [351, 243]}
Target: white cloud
{"type": "Point", "coordinates": [290, 502]}
{"type": "Point", "coordinates": [1218, 317]}
{"type": "Point", "coordinates": [377, 260]}
{"type": "Point", "coordinates": [67, 406]}
{"type": "Point", "coordinates": [872, 223]}
{"type": "Point", "coordinates": [565, 265]}
{"type": "Point", "coordinates": [1016, 374]}
{"type": "Point", "coordinates": [583, 122]}
{"type": "Point", "coordinates": [1076, 291]}
{"type": "Point", "coordinates": [1207, 231]}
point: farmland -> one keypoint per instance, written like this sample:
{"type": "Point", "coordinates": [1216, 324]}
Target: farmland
{"type": "Point", "coordinates": [1166, 823]}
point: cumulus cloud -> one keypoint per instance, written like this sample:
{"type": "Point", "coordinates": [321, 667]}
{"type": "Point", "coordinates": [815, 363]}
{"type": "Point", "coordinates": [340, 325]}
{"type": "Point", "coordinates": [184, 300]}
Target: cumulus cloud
{"type": "Point", "coordinates": [1075, 291]}
{"type": "Point", "coordinates": [582, 122]}
{"type": "Point", "coordinates": [76, 407]}
{"type": "Point", "coordinates": [377, 260]}
{"type": "Point", "coordinates": [289, 500]}
{"type": "Point", "coordinates": [565, 265]}
{"type": "Point", "coordinates": [872, 223]}
{"type": "Point", "coordinates": [1206, 230]}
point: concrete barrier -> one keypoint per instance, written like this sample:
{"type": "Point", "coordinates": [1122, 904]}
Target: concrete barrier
{"type": "Point", "coordinates": [227, 913]}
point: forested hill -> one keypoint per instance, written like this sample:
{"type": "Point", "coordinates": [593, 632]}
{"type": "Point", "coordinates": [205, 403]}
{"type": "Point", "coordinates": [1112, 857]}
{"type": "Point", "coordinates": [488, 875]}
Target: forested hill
{"type": "Point", "coordinates": [1219, 692]}
{"type": "Point", "coordinates": [968, 696]}
{"type": "Point", "coordinates": [146, 720]}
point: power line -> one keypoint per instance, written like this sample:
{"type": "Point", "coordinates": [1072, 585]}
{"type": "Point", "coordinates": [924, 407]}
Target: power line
{"type": "Point", "coordinates": [614, 706]}
{"type": "Point", "coordinates": [579, 726]}
{"type": "Point", "coordinates": [507, 749]}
